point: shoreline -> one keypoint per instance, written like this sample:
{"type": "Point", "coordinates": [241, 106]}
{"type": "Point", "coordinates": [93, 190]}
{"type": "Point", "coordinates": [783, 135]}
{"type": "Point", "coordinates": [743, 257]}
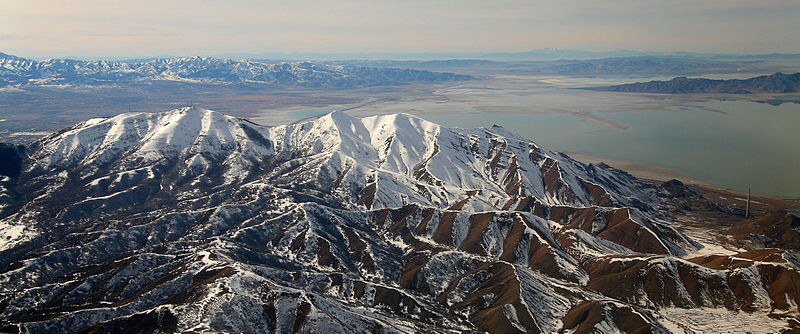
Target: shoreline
{"type": "Point", "coordinates": [657, 174]}
{"type": "Point", "coordinates": [642, 170]}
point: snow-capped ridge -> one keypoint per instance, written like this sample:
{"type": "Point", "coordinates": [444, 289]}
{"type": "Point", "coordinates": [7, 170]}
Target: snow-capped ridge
{"type": "Point", "coordinates": [20, 71]}
{"type": "Point", "coordinates": [392, 150]}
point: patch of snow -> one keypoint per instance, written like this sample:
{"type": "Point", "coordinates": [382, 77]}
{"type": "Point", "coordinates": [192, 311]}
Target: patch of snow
{"type": "Point", "coordinates": [29, 133]}
{"type": "Point", "coordinates": [13, 234]}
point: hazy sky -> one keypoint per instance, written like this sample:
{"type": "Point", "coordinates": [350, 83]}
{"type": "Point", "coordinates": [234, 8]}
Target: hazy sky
{"type": "Point", "coordinates": [109, 28]}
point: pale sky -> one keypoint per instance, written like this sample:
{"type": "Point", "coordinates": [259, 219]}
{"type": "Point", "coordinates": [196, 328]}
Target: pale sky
{"type": "Point", "coordinates": [86, 28]}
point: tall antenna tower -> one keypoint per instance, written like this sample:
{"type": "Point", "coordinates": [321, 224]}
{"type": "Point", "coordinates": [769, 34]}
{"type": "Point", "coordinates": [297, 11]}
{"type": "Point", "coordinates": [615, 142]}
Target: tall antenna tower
{"type": "Point", "coordinates": [747, 206]}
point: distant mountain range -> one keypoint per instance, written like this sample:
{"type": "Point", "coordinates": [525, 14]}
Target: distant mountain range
{"type": "Point", "coordinates": [638, 65]}
{"type": "Point", "coordinates": [538, 54]}
{"type": "Point", "coordinates": [644, 65]}
{"type": "Point", "coordinates": [358, 70]}
{"type": "Point", "coordinates": [20, 71]}
{"type": "Point", "coordinates": [775, 83]}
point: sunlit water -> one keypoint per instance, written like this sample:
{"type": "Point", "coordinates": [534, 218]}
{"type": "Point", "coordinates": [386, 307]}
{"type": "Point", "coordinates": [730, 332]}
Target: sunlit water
{"type": "Point", "coordinates": [308, 113]}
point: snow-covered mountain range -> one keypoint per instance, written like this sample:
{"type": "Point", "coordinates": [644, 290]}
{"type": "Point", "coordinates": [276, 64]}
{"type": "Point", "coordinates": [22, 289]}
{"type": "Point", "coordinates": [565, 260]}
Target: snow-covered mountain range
{"type": "Point", "coordinates": [20, 71]}
{"type": "Point", "coordinates": [191, 220]}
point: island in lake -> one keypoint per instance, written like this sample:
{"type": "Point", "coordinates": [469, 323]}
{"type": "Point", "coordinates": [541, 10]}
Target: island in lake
{"type": "Point", "coordinates": [775, 83]}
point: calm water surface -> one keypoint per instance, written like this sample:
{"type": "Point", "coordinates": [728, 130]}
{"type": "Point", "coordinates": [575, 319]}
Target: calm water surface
{"type": "Point", "coordinates": [311, 112]}
{"type": "Point", "coordinates": [739, 145]}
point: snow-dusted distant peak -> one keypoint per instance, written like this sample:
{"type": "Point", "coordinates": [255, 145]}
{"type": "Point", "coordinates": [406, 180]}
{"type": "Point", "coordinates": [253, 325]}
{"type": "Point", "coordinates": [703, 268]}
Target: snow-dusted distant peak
{"type": "Point", "coordinates": [20, 71]}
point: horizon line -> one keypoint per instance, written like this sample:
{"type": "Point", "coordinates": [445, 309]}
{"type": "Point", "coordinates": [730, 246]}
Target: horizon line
{"type": "Point", "coordinates": [541, 54]}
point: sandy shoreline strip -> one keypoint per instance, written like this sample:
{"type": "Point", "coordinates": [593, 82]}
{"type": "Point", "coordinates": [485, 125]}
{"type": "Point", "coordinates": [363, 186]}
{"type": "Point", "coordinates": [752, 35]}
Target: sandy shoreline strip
{"type": "Point", "coordinates": [641, 170]}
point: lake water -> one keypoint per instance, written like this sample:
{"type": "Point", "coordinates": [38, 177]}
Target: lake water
{"type": "Point", "coordinates": [308, 113]}
{"type": "Point", "coordinates": [731, 144]}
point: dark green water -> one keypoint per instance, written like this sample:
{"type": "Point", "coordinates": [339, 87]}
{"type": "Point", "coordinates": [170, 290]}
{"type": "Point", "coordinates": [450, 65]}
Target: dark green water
{"type": "Point", "coordinates": [746, 145]}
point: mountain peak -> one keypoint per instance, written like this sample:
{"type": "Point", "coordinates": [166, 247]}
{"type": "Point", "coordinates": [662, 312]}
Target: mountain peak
{"type": "Point", "coordinates": [7, 56]}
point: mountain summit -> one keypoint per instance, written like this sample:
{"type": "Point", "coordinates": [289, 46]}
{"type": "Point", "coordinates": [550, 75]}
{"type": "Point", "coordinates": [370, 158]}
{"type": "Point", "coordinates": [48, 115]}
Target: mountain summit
{"type": "Point", "coordinates": [191, 220]}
